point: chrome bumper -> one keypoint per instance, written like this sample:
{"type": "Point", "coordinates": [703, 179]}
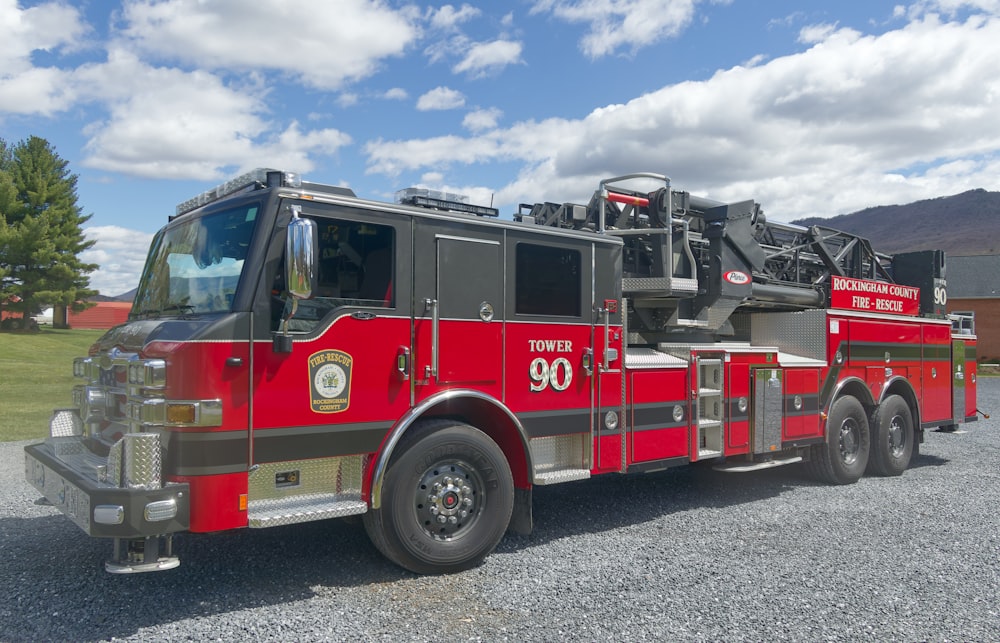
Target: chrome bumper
{"type": "Point", "coordinates": [102, 509]}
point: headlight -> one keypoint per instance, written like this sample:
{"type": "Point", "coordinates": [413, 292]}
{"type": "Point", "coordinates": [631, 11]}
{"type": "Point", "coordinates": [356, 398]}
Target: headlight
{"type": "Point", "coordinates": [148, 373]}
{"type": "Point", "coordinates": [82, 367]}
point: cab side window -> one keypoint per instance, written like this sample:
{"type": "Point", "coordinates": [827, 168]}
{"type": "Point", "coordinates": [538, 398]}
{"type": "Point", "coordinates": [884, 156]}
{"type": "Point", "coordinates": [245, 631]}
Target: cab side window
{"type": "Point", "coordinates": [355, 267]}
{"type": "Point", "coordinates": [355, 263]}
{"type": "Point", "coordinates": [548, 281]}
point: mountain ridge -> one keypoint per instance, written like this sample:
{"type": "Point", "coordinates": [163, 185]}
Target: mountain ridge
{"type": "Point", "coordinates": [964, 224]}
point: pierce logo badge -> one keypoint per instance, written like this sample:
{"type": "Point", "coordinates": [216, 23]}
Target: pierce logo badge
{"type": "Point", "coordinates": [737, 277]}
{"type": "Point", "coordinates": [330, 381]}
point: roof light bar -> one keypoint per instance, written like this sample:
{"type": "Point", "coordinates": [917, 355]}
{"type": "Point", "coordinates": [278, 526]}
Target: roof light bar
{"type": "Point", "coordinates": [263, 176]}
{"type": "Point", "coordinates": [443, 201]}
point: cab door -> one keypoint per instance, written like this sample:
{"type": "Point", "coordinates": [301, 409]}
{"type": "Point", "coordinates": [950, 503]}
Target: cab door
{"type": "Point", "coordinates": [341, 387]}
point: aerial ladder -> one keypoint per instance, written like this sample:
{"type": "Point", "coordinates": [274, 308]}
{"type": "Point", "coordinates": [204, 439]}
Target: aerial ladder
{"type": "Point", "coordinates": [691, 263]}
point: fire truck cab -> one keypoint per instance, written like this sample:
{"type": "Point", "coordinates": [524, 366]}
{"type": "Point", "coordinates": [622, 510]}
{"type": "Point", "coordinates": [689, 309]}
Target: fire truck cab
{"type": "Point", "coordinates": [295, 353]}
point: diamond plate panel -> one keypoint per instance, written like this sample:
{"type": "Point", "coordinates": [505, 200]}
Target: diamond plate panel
{"type": "Point", "coordinates": [559, 452]}
{"type": "Point", "coordinates": [651, 358]}
{"type": "Point", "coordinates": [566, 475]}
{"type": "Point", "coordinates": [768, 411]}
{"type": "Point", "coordinates": [801, 333]}
{"type": "Point", "coordinates": [141, 461]}
{"type": "Point", "coordinates": [341, 475]}
{"type": "Point", "coordinates": [271, 513]}
{"type": "Point", "coordinates": [113, 473]}
{"type": "Point", "coordinates": [283, 493]}
{"type": "Point", "coordinates": [659, 285]}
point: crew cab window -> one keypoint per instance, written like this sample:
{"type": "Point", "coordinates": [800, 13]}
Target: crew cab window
{"type": "Point", "coordinates": [547, 281]}
{"type": "Point", "coordinates": [354, 268]}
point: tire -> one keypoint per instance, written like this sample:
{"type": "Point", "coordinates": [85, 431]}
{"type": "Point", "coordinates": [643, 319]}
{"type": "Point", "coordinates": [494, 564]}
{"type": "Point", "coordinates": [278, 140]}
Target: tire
{"type": "Point", "coordinates": [447, 499]}
{"type": "Point", "coordinates": [892, 438]}
{"type": "Point", "coordinates": [844, 457]}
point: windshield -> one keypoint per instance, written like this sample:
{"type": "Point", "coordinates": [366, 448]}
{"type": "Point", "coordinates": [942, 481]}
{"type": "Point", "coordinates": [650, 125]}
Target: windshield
{"type": "Point", "coordinates": [194, 267]}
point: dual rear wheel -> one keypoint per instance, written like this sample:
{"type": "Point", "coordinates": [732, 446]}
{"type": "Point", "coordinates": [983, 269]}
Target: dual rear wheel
{"type": "Point", "coordinates": [854, 445]}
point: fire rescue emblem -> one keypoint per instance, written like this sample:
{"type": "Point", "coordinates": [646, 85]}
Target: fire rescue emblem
{"type": "Point", "coordinates": [330, 378]}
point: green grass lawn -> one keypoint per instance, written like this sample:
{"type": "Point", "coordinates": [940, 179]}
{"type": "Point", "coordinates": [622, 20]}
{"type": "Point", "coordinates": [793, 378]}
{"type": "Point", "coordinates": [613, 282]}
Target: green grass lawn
{"type": "Point", "coordinates": [36, 376]}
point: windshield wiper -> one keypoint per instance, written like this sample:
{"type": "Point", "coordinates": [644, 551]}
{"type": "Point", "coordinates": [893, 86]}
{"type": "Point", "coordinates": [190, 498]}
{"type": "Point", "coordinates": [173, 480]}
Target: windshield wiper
{"type": "Point", "coordinates": [183, 309]}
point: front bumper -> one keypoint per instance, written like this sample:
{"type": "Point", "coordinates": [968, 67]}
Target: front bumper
{"type": "Point", "coordinates": [119, 512]}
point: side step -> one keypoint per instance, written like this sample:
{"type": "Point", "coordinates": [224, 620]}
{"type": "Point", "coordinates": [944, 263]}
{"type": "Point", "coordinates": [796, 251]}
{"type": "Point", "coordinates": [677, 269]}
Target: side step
{"type": "Point", "coordinates": [287, 511]}
{"type": "Point", "coordinates": [744, 467]}
{"type": "Point", "coordinates": [563, 475]}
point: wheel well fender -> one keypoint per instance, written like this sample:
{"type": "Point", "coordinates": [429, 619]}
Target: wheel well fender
{"type": "Point", "coordinates": [475, 408]}
{"type": "Point", "coordinates": [855, 387]}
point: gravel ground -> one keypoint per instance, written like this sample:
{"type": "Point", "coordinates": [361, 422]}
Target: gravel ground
{"type": "Point", "coordinates": [686, 554]}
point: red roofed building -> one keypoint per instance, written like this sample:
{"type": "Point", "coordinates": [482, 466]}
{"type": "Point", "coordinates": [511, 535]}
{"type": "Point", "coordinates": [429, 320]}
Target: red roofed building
{"type": "Point", "coordinates": [103, 314]}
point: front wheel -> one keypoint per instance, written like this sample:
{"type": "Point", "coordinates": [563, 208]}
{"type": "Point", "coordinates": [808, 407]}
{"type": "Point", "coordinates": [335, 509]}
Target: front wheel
{"type": "Point", "coordinates": [447, 498]}
{"type": "Point", "coordinates": [844, 457]}
{"type": "Point", "coordinates": [892, 437]}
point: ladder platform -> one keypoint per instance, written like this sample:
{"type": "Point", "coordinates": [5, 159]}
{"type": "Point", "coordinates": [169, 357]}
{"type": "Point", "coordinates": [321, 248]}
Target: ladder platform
{"type": "Point", "coordinates": [563, 475]}
{"type": "Point", "coordinates": [744, 467]}
{"type": "Point", "coordinates": [658, 286]}
{"type": "Point", "coordinates": [288, 511]}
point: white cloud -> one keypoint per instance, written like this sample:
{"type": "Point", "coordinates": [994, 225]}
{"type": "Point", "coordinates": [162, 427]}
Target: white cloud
{"type": "Point", "coordinates": [348, 99]}
{"type": "Point", "coordinates": [49, 26]}
{"type": "Point", "coordinates": [948, 7]}
{"type": "Point", "coordinates": [121, 255]}
{"type": "Point", "coordinates": [42, 91]}
{"type": "Point", "coordinates": [448, 17]}
{"type": "Point", "coordinates": [325, 44]}
{"type": "Point", "coordinates": [396, 93]}
{"type": "Point", "coordinates": [167, 123]}
{"type": "Point", "coordinates": [440, 98]}
{"type": "Point", "coordinates": [52, 27]}
{"type": "Point", "coordinates": [816, 33]}
{"type": "Point", "coordinates": [482, 119]}
{"type": "Point", "coordinates": [621, 24]}
{"type": "Point", "coordinates": [530, 141]}
{"type": "Point", "coordinates": [851, 122]}
{"type": "Point", "coordinates": [489, 57]}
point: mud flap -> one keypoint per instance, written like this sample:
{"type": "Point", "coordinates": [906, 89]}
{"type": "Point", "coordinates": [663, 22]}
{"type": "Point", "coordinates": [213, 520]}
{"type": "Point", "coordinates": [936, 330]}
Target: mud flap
{"type": "Point", "coordinates": [521, 522]}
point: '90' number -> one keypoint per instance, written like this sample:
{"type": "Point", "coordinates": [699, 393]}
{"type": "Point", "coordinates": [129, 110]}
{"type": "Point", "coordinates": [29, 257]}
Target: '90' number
{"type": "Point", "coordinates": [558, 375]}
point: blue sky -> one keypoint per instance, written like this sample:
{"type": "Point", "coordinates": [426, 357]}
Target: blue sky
{"type": "Point", "coordinates": [810, 108]}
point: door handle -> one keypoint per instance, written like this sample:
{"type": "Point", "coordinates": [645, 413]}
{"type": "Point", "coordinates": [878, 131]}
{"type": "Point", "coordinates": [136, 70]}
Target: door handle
{"type": "Point", "coordinates": [587, 361]}
{"type": "Point", "coordinates": [432, 305]}
{"type": "Point", "coordinates": [403, 362]}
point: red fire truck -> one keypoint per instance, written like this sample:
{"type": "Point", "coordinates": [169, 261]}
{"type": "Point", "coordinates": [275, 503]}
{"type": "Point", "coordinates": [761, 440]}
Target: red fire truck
{"type": "Point", "coordinates": [295, 353]}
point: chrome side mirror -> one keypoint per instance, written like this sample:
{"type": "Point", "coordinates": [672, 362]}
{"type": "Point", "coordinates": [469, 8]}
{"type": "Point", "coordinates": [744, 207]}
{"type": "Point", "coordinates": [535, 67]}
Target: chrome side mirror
{"type": "Point", "coordinates": [300, 255]}
{"type": "Point", "coordinates": [300, 270]}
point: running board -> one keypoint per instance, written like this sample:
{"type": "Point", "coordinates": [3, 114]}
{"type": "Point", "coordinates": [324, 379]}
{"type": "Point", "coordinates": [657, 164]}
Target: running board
{"type": "Point", "coordinates": [755, 466]}
{"type": "Point", "coordinates": [288, 511]}
{"type": "Point", "coordinates": [563, 475]}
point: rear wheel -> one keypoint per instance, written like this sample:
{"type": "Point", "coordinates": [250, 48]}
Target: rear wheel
{"type": "Point", "coordinates": [844, 457]}
{"type": "Point", "coordinates": [892, 437]}
{"type": "Point", "coordinates": [447, 498]}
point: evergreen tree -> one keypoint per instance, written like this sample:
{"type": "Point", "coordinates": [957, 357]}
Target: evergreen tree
{"type": "Point", "coordinates": [41, 233]}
